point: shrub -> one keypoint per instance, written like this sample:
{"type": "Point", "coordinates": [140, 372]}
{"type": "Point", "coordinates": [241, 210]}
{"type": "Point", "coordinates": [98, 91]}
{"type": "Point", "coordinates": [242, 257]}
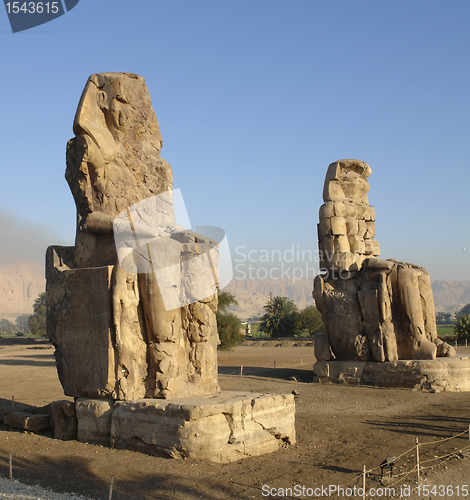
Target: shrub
{"type": "Point", "coordinates": [310, 319]}
{"type": "Point", "coordinates": [228, 325]}
{"type": "Point", "coordinates": [462, 327]}
{"type": "Point", "coordinates": [37, 322]}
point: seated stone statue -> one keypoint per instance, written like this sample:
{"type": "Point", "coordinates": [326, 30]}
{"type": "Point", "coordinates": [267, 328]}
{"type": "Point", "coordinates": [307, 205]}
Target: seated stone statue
{"type": "Point", "coordinates": [373, 309]}
{"type": "Point", "coordinates": [114, 337]}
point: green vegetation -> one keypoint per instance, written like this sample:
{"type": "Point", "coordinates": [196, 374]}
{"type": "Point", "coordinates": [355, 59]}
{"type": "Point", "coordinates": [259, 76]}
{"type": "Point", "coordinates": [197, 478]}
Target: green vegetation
{"type": "Point", "coordinates": [462, 327]}
{"type": "Point", "coordinates": [228, 325]}
{"type": "Point", "coordinates": [310, 319]}
{"type": "Point", "coordinates": [21, 323]}
{"type": "Point", "coordinates": [465, 311]}
{"type": "Point", "coordinates": [283, 319]}
{"type": "Point", "coordinates": [37, 322]}
{"type": "Point", "coordinates": [444, 330]}
{"type": "Point", "coordinates": [280, 318]}
{"type": "Point", "coordinates": [7, 327]}
{"type": "Point", "coordinates": [443, 318]}
{"type": "Point", "coordinates": [19, 328]}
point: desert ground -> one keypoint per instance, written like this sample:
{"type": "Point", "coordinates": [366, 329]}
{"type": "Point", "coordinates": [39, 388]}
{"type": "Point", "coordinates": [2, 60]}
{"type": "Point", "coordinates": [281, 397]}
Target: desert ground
{"type": "Point", "coordinates": [339, 430]}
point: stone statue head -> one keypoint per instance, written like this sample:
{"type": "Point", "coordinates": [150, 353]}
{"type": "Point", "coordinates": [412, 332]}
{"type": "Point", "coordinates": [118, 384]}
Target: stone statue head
{"type": "Point", "coordinates": [114, 161]}
{"type": "Point", "coordinates": [116, 112]}
{"type": "Point", "coordinates": [347, 180]}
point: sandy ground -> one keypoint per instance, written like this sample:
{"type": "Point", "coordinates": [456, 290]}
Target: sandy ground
{"type": "Point", "coordinates": [339, 430]}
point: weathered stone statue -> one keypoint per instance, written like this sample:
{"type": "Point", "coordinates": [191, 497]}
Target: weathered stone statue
{"type": "Point", "coordinates": [131, 307]}
{"type": "Point", "coordinates": [380, 310]}
{"type": "Point", "coordinates": [114, 338]}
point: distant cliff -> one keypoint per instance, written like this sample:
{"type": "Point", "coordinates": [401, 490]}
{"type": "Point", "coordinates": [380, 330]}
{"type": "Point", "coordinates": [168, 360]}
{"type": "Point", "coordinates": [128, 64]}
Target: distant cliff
{"type": "Point", "coordinates": [450, 295]}
{"type": "Point", "coordinates": [21, 282]}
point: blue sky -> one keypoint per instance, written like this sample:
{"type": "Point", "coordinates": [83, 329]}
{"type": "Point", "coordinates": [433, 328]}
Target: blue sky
{"type": "Point", "coordinates": [255, 99]}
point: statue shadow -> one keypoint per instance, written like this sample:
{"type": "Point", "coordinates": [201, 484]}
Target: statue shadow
{"type": "Point", "coordinates": [5, 404]}
{"type": "Point", "coordinates": [335, 468]}
{"type": "Point", "coordinates": [424, 425]}
{"type": "Point", "coordinates": [275, 373]}
{"type": "Point", "coordinates": [90, 477]}
{"type": "Point", "coordinates": [41, 362]}
{"type": "Point", "coordinates": [24, 341]}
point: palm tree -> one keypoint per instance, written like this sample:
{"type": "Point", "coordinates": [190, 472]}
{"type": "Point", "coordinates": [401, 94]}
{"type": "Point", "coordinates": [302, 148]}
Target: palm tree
{"type": "Point", "coordinates": [37, 322]}
{"type": "Point", "coordinates": [280, 317]}
{"type": "Point", "coordinates": [462, 327]}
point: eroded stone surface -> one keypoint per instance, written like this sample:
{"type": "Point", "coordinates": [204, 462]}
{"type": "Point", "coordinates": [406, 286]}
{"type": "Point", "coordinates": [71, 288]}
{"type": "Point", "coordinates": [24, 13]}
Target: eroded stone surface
{"type": "Point", "coordinates": [373, 309]}
{"type": "Point", "coordinates": [443, 374]}
{"type": "Point", "coordinates": [113, 336]}
{"type": "Point", "coordinates": [436, 375]}
{"type": "Point", "coordinates": [322, 346]}
{"type": "Point", "coordinates": [28, 421]}
{"type": "Point", "coordinates": [94, 420]}
{"type": "Point", "coordinates": [64, 420]}
{"type": "Point", "coordinates": [224, 427]}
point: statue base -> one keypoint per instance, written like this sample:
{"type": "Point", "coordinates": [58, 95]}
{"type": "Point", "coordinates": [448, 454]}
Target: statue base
{"type": "Point", "coordinates": [222, 427]}
{"type": "Point", "coordinates": [437, 375]}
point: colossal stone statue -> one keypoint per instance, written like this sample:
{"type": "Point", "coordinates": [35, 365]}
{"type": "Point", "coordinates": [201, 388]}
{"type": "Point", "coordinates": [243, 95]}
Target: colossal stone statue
{"type": "Point", "coordinates": [373, 309]}
{"type": "Point", "coordinates": [114, 338]}
{"type": "Point", "coordinates": [131, 307]}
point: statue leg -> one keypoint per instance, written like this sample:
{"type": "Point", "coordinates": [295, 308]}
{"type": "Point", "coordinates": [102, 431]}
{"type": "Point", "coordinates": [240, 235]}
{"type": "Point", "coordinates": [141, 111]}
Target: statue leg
{"type": "Point", "coordinates": [388, 331]}
{"type": "Point", "coordinates": [408, 285]}
{"type": "Point", "coordinates": [165, 345]}
{"type": "Point", "coordinates": [118, 292]}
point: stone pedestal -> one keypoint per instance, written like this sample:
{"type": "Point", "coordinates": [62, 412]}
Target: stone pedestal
{"type": "Point", "coordinates": [94, 420]}
{"type": "Point", "coordinates": [437, 375]}
{"type": "Point", "coordinates": [222, 427]}
{"type": "Point", "coordinates": [64, 420]}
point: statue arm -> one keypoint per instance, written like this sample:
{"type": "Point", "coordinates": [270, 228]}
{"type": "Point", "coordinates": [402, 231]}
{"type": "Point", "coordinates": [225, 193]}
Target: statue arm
{"type": "Point", "coordinates": [99, 223]}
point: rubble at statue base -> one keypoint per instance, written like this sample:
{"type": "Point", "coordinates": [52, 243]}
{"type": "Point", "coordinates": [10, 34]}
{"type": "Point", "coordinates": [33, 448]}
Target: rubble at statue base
{"type": "Point", "coordinates": [379, 314]}
{"type": "Point", "coordinates": [143, 375]}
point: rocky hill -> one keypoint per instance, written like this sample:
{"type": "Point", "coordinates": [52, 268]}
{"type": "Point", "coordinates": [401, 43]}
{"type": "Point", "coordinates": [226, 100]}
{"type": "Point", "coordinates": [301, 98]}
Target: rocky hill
{"type": "Point", "coordinates": [450, 295]}
{"type": "Point", "coordinates": [253, 294]}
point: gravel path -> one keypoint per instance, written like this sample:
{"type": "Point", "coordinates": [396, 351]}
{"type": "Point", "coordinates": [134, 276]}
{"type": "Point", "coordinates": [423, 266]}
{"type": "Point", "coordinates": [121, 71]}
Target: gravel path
{"type": "Point", "coordinates": [15, 490]}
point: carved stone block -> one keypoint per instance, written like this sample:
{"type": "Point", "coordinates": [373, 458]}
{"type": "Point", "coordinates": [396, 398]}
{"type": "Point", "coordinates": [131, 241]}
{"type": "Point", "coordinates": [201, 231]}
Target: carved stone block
{"type": "Point", "coordinates": [222, 428]}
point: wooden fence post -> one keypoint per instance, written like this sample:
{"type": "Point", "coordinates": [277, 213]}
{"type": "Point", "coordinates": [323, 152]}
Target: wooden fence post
{"type": "Point", "coordinates": [111, 488]}
{"type": "Point", "coordinates": [417, 458]}
{"type": "Point", "coordinates": [364, 483]}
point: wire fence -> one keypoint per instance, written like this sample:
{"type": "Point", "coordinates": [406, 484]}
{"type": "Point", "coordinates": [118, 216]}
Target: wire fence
{"type": "Point", "coordinates": [418, 466]}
